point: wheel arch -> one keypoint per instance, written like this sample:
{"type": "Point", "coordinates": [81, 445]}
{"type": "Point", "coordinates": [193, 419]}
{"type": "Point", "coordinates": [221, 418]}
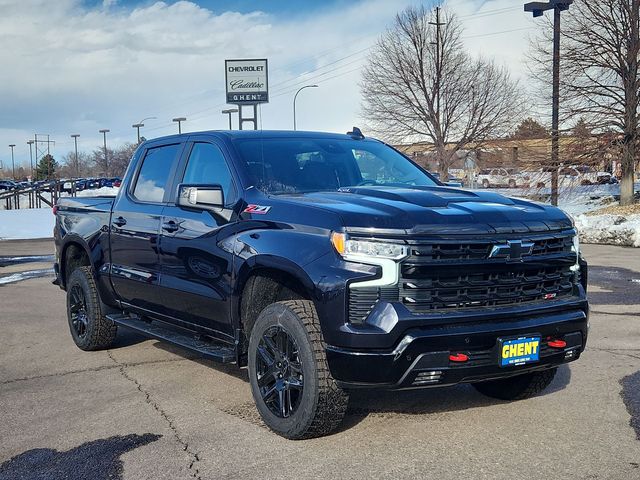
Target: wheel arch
{"type": "Point", "coordinates": [263, 281]}
{"type": "Point", "coordinates": [74, 253]}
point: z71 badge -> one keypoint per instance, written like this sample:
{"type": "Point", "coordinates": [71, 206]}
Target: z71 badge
{"type": "Point", "coordinates": [257, 209]}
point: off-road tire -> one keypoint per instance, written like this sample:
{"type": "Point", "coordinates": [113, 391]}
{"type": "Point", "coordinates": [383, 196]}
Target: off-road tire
{"type": "Point", "coordinates": [323, 404]}
{"type": "Point", "coordinates": [518, 387]}
{"type": "Point", "coordinates": [100, 332]}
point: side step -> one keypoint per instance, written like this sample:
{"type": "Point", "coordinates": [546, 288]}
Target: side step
{"type": "Point", "coordinates": [218, 352]}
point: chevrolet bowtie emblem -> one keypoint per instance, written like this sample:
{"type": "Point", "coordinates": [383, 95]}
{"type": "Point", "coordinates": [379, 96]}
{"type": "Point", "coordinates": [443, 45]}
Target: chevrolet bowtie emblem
{"type": "Point", "coordinates": [512, 250]}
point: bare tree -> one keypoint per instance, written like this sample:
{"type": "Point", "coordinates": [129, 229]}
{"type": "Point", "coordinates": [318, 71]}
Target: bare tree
{"type": "Point", "coordinates": [420, 84]}
{"type": "Point", "coordinates": [69, 169]}
{"type": "Point", "coordinates": [600, 76]}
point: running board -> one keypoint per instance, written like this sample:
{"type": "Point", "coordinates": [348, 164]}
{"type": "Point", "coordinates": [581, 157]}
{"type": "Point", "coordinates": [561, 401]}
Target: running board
{"type": "Point", "coordinates": [214, 351]}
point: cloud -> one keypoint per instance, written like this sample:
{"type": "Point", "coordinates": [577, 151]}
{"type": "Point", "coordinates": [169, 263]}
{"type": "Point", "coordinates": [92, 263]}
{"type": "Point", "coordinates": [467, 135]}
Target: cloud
{"type": "Point", "coordinates": [69, 68]}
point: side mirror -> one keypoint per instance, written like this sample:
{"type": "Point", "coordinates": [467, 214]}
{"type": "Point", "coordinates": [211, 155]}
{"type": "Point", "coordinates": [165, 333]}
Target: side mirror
{"type": "Point", "coordinates": [204, 197]}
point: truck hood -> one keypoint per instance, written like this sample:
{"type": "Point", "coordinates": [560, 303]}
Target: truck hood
{"type": "Point", "coordinates": [433, 210]}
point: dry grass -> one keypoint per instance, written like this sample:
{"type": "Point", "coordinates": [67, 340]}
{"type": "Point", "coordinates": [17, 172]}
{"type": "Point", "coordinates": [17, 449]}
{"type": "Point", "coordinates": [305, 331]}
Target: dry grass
{"type": "Point", "coordinates": [617, 210]}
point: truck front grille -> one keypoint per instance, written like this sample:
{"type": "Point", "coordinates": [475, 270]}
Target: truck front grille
{"type": "Point", "coordinates": [439, 276]}
{"type": "Point", "coordinates": [422, 290]}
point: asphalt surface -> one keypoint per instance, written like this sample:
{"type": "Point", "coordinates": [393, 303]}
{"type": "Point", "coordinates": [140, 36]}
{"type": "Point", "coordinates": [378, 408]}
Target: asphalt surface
{"type": "Point", "coordinates": [145, 410]}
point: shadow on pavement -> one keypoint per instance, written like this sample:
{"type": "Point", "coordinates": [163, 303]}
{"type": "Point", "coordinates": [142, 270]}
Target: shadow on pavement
{"type": "Point", "coordinates": [429, 401]}
{"type": "Point", "coordinates": [96, 460]}
{"type": "Point", "coordinates": [126, 337]}
{"type": "Point", "coordinates": [631, 397]}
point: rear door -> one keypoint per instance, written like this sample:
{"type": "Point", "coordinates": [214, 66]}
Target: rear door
{"type": "Point", "coordinates": [196, 259]}
{"type": "Point", "coordinates": [135, 226]}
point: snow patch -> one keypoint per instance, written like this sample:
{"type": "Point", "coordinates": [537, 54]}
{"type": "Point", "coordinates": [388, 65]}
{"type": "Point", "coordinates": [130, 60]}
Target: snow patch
{"type": "Point", "coordinates": [99, 192]}
{"type": "Point", "coordinates": [609, 229]}
{"type": "Point", "coordinates": [26, 223]}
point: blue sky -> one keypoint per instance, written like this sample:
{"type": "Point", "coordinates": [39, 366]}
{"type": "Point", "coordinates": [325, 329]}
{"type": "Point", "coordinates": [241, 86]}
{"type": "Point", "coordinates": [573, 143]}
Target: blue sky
{"type": "Point", "coordinates": [77, 66]}
{"type": "Point", "coordinates": [275, 7]}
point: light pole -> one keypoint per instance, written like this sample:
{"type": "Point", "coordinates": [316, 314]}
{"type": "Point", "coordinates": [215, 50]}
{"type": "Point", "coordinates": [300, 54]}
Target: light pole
{"type": "Point", "coordinates": [141, 124]}
{"type": "Point", "coordinates": [30, 143]}
{"type": "Point", "coordinates": [75, 141]}
{"type": "Point", "coordinates": [294, 101]}
{"type": "Point", "coordinates": [104, 132]}
{"type": "Point", "coordinates": [13, 164]}
{"type": "Point", "coordinates": [180, 120]}
{"type": "Point", "coordinates": [538, 9]}
{"type": "Point", "coordinates": [229, 111]}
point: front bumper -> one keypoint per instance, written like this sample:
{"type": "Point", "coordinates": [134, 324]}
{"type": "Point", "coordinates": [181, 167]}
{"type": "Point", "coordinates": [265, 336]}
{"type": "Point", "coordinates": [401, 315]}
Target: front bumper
{"type": "Point", "coordinates": [421, 357]}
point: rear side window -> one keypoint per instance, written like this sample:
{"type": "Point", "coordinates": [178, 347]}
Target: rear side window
{"type": "Point", "coordinates": [207, 165]}
{"type": "Point", "coordinates": [154, 173]}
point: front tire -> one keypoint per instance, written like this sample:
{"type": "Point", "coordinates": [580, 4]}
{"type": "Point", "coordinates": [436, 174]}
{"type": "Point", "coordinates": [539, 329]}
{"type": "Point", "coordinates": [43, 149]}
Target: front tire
{"type": "Point", "coordinates": [519, 387]}
{"type": "Point", "coordinates": [90, 329]}
{"type": "Point", "coordinates": [294, 391]}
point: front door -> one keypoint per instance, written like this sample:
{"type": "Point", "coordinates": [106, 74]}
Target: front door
{"type": "Point", "coordinates": [135, 228]}
{"type": "Point", "coordinates": [196, 260]}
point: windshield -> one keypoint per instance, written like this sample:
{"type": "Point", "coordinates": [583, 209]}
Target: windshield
{"type": "Point", "coordinates": [302, 165]}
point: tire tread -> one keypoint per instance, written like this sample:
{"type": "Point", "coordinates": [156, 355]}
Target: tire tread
{"type": "Point", "coordinates": [104, 332]}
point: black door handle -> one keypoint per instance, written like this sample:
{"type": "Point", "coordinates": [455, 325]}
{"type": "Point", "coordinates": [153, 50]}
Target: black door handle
{"type": "Point", "coordinates": [170, 226]}
{"type": "Point", "coordinates": [119, 222]}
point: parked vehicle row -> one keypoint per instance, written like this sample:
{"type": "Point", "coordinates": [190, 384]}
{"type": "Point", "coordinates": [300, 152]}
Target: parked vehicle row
{"type": "Point", "coordinates": [80, 184]}
{"type": "Point", "coordinates": [568, 177]}
{"type": "Point", "coordinates": [68, 185]}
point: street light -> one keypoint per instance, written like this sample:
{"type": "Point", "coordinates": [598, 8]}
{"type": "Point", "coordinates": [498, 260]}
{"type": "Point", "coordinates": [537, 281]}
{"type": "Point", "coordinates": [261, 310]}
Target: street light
{"type": "Point", "coordinates": [104, 132]}
{"type": "Point", "coordinates": [180, 120]}
{"type": "Point", "coordinates": [229, 111]}
{"type": "Point", "coordinates": [294, 101]}
{"type": "Point", "coordinates": [75, 141]}
{"type": "Point", "coordinates": [30, 143]}
{"type": "Point", "coordinates": [13, 164]}
{"type": "Point", "coordinates": [538, 9]}
{"type": "Point", "coordinates": [141, 124]}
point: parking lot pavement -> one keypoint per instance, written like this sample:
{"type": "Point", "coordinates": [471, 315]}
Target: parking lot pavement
{"type": "Point", "coordinates": [145, 410]}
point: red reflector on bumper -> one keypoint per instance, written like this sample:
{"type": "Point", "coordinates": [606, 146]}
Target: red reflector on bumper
{"type": "Point", "coordinates": [557, 343]}
{"type": "Point", "coordinates": [458, 357]}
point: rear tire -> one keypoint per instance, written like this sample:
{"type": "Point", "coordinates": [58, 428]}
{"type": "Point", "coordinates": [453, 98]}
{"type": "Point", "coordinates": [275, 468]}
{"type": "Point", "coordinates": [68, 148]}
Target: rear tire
{"type": "Point", "coordinates": [485, 183]}
{"type": "Point", "coordinates": [519, 387]}
{"type": "Point", "coordinates": [294, 391]}
{"type": "Point", "coordinates": [90, 329]}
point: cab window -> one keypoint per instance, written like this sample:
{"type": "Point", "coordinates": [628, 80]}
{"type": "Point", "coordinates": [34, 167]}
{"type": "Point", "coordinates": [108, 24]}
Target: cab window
{"type": "Point", "coordinates": [154, 173]}
{"type": "Point", "coordinates": [207, 166]}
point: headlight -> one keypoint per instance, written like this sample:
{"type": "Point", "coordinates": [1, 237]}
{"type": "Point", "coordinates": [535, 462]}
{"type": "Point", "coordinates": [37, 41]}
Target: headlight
{"type": "Point", "coordinates": [363, 249]}
{"type": "Point", "coordinates": [384, 255]}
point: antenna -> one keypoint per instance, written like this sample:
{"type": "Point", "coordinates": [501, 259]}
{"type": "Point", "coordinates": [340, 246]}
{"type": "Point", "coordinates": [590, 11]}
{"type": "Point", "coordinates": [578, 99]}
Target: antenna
{"type": "Point", "coordinates": [356, 133]}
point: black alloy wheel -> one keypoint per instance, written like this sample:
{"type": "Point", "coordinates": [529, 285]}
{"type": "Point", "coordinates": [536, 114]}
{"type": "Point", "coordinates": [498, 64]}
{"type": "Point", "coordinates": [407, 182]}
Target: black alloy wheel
{"type": "Point", "coordinates": [291, 383]}
{"type": "Point", "coordinates": [89, 327]}
{"type": "Point", "coordinates": [279, 372]}
{"type": "Point", "coordinates": [78, 311]}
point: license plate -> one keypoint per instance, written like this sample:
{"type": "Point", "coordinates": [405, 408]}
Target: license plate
{"type": "Point", "coordinates": [519, 351]}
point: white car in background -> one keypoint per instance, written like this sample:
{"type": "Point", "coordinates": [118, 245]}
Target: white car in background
{"type": "Point", "coordinates": [502, 178]}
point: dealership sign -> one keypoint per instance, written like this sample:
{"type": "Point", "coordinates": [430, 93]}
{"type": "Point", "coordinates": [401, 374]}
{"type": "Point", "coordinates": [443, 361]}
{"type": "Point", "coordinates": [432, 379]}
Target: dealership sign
{"type": "Point", "coordinates": [247, 81]}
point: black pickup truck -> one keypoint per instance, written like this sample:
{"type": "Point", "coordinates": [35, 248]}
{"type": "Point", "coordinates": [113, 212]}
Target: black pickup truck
{"type": "Point", "coordinates": [323, 263]}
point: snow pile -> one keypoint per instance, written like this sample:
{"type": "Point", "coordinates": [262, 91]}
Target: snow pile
{"type": "Point", "coordinates": [98, 192]}
{"type": "Point", "coordinates": [609, 229]}
{"type": "Point", "coordinates": [26, 223]}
